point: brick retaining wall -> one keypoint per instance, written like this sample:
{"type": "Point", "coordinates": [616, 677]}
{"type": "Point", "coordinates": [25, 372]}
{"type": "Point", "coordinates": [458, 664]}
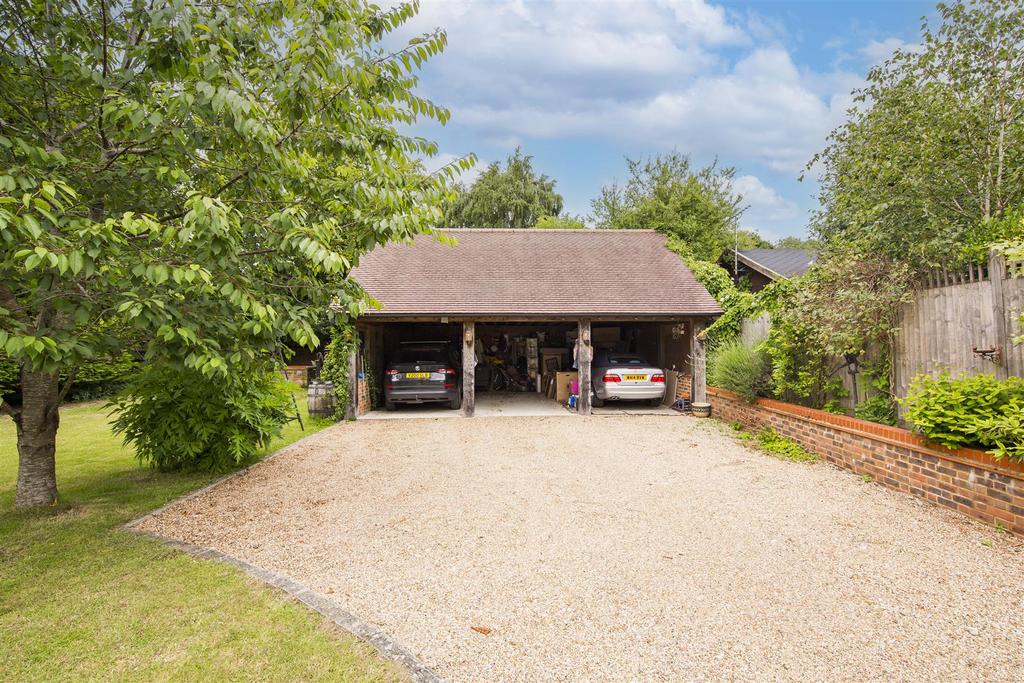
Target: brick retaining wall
{"type": "Point", "coordinates": [966, 480]}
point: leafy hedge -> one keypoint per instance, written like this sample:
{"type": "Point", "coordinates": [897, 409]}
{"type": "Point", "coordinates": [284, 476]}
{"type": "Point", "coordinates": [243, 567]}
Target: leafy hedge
{"type": "Point", "coordinates": [97, 378]}
{"type": "Point", "coordinates": [181, 419]}
{"type": "Point", "coordinates": [979, 412]}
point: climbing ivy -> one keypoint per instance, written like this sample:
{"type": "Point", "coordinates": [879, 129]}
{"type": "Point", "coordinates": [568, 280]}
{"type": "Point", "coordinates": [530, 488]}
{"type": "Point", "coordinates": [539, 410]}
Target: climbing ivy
{"type": "Point", "coordinates": [344, 339]}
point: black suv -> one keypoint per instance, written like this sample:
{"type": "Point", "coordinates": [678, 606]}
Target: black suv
{"type": "Point", "coordinates": [423, 372]}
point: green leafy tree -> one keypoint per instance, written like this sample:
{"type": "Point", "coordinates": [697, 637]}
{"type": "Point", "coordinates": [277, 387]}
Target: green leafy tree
{"type": "Point", "coordinates": [566, 222]}
{"type": "Point", "coordinates": [510, 197]}
{"type": "Point", "coordinates": [697, 206]}
{"type": "Point", "coordinates": [792, 242]}
{"type": "Point", "coordinates": [750, 239]}
{"type": "Point", "coordinates": [199, 177]}
{"type": "Point", "coordinates": [933, 151]}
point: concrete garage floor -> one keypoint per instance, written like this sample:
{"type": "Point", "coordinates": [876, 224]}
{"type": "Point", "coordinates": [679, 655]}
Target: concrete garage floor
{"type": "Point", "coordinates": [620, 548]}
{"type": "Point", "coordinates": [513, 405]}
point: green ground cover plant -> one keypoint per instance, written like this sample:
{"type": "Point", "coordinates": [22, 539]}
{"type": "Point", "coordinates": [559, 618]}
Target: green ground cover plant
{"type": "Point", "coordinates": [80, 599]}
{"type": "Point", "coordinates": [773, 443]}
{"type": "Point", "coordinates": [979, 412]}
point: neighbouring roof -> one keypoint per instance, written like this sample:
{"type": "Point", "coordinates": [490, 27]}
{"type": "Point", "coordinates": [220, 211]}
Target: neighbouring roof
{"type": "Point", "coordinates": [776, 263]}
{"type": "Point", "coordinates": [502, 272]}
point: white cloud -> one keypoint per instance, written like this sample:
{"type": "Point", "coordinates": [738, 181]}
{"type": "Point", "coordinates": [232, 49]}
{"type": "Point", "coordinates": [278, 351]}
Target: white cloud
{"type": "Point", "coordinates": [764, 202]}
{"type": "Point", "coordinates": [763, 109]}
{"type": "Point", "coordinates": [683, 74]}
{"type": "Point", "coordinates": [767, 211]}
{"type": "Point", "coordinates": [442, 159]}
{"type": "Point", "coordinates": [880, 50]}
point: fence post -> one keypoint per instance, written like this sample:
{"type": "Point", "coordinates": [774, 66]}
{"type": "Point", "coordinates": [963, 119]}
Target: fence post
{"type": "Point", "coordinates": [996, 275]}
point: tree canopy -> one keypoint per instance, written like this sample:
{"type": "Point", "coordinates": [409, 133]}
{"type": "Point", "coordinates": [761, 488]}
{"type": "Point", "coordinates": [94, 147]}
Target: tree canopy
{"type": "Point", "coordinates": [513, 196]}
{"type": "Point", "coordinates": [563, 222]}
{"type": "Point", "coordinates": [195, 180]}
{"type": "Point", "coordinates": [697, 206]}
{"type": "Point", "coordinates": [933, 150]}
{"type": "Point", "coordinates": [750, 239]}
{"type": "Point", "coordinates": [793, 242]}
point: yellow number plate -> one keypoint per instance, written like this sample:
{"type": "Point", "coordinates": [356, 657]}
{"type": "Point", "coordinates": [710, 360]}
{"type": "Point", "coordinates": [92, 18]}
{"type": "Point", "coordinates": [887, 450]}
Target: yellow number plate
{"type": "Point", "coordinates": [635, 378]}
{"type": "Point", "coordinates": [417, 375]}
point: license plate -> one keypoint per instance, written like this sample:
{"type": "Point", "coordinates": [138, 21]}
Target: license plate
{"type": "Point", "coordinates": [417, 375]}
{"type": "Point", "coordinates": [635, 378]}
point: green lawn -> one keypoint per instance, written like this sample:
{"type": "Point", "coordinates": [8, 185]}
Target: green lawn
{"type": "Point", "coordinates": [81, 599]}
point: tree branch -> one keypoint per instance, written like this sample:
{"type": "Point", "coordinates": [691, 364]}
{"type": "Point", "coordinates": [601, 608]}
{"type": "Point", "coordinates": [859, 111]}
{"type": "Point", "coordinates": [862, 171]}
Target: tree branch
{"type": "Point", "coordinates": [63, 393]}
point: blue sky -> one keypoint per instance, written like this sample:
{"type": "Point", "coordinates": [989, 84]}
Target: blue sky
{"type": "Point", "coordinates": [582, 84]}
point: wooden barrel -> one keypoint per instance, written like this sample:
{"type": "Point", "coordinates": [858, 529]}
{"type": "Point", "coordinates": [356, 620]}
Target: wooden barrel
{"type": "Point", "coordinates": [320, 399]}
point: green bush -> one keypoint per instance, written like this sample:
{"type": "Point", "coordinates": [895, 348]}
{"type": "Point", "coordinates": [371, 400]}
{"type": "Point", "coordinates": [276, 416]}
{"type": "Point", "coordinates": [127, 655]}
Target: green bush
{"type": "Point", "coordinates": [741, 369]}
{"type": "Point", "coordinates": [981, 412]}
{"type": "Point", "coordinates": [180, 419]}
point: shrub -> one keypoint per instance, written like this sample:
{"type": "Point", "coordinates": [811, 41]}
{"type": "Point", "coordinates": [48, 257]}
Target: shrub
{"type": "Point", "coordinates": [976, 411]}
{"type": "Point", "coordinates": [740, 369]}
{"type": "Point", "coordinates": [180, 419]}
{"type": "Point", "coordinates": [878, 408]}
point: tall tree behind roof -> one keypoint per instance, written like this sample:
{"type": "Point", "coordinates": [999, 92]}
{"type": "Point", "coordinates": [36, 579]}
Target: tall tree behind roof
{"type": "Point", "coordinates": [511, 197]}
{"type": "Point", "coordinates": [666, 193]}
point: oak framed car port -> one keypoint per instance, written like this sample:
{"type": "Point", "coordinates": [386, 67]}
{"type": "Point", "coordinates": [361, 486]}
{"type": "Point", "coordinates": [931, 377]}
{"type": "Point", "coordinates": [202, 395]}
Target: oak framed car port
{"type": "Point", "coordinates": [575, 283]}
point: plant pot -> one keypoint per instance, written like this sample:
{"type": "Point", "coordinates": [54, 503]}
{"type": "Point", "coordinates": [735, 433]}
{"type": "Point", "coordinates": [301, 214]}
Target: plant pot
{"type": "Point", "coordinates": [701, 409]}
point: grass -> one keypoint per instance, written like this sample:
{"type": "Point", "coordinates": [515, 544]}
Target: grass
{"type": "Point", "coordinates": [82, 599]}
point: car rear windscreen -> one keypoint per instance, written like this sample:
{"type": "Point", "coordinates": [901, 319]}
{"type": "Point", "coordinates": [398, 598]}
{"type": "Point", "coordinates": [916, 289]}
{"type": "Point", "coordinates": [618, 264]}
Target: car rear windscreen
{"type": "Point", "coordinates": [427, 354]}
{"type": "Point", "coordinates": [626, 360]}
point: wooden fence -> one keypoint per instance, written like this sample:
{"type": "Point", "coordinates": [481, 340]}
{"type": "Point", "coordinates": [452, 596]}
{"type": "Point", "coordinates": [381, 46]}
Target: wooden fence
{"type": "Point", "coordinates": [964, 322]}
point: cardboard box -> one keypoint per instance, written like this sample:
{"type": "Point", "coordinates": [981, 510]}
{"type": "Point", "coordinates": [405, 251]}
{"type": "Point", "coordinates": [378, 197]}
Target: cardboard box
{"type": "Point", "coordinates": [563, 385]}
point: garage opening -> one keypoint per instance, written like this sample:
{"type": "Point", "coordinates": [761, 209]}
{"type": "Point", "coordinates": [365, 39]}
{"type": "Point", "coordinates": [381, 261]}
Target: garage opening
{"type": "Point", "coordinates": [520, 367]}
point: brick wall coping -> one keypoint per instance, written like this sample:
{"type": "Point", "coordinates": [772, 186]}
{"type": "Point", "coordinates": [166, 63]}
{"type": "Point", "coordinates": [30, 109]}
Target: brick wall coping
{"type": "Point", "coordinates": [883, 433]}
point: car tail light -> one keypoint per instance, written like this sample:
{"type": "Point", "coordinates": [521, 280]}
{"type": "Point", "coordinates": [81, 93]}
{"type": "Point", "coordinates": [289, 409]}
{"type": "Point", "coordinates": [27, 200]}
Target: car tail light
{"type": "Point", "coordinates": [658, 378]}
{"type": "Point", "coordinates": [449, 385]}
{"type": "Point", "coordinates": [449, 371]}
{"type": "Point", "coordinates": [611, 378]}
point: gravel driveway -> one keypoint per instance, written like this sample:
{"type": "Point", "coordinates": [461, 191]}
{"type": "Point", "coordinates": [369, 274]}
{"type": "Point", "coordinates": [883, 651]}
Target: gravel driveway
{"type": "Point", "coordinates": [616, 548]}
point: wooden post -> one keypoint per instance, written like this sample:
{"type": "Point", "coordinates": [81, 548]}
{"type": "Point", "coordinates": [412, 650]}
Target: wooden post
{"type": "Point", "coordinates": [468, 368]}
{"type": "Point", "coordinates": [352, 404]}
{"type": "Point", "coordinates": [584, 357]}
{"type": "Point", "coordinates": [698, 364]}
{"type": "Point", "coordinates": [996, 275]}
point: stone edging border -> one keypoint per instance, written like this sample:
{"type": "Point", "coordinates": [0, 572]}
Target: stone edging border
{"type": "Point", "coordinates": [388, 647]}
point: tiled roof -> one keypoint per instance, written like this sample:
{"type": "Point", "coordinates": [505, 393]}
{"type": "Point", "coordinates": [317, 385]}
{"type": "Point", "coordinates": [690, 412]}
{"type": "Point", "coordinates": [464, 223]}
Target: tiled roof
{"type": "Point", "coordinates": [500, 272]}
{"type": "Point", "coordinates": [779, 262]}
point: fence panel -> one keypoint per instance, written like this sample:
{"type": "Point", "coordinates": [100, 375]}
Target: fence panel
{"type": "Point", "coordinates": [957, 317]}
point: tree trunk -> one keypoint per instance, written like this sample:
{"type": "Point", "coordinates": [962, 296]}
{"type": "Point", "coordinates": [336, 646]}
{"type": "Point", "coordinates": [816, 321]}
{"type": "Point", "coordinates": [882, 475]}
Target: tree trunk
{"type": "Point", "coordinates": [37, 423]}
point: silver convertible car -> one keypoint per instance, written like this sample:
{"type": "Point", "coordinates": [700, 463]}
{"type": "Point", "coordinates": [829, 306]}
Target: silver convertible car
{"type": "Point", "coordinates": [626, 377]}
